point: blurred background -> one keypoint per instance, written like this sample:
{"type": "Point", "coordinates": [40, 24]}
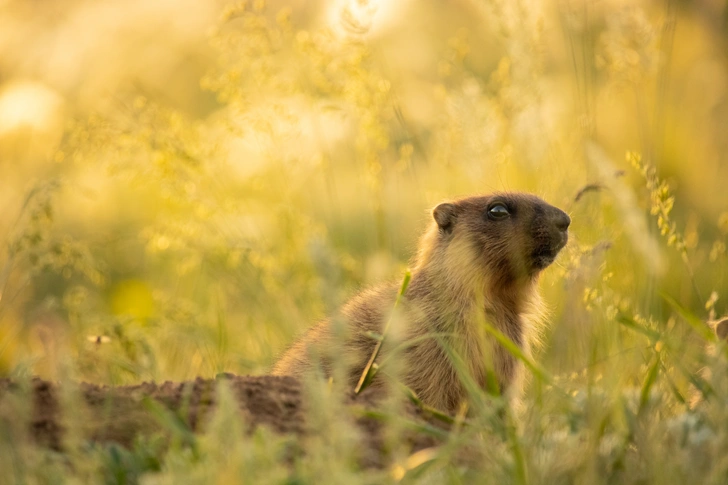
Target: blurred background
{"type": "Point", "coordinates": [187, 185]}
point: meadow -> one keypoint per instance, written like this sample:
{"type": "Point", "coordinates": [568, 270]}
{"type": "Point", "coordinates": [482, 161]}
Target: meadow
{"type": "Point", "coordinates": [186, 186]}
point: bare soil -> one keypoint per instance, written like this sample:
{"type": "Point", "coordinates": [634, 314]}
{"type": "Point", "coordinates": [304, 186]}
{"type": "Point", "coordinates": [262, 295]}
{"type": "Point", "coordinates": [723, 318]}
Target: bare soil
{"type": "Point", "coordinates": [121, 414]}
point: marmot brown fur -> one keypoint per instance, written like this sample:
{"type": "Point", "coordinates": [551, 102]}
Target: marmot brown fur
{"type": "Point", "coordinates": [478, 261]}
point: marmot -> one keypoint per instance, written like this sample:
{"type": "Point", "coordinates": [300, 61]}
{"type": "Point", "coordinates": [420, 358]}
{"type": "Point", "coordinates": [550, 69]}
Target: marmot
{"type": "Point", "coordinates": [478, 261]}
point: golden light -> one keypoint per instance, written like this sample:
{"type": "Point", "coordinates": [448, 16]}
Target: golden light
{"type": "Point", "coordinates": [28, 104]}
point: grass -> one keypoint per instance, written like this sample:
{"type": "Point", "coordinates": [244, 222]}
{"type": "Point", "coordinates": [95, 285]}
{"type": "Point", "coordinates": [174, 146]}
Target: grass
{"type": "Point", "coordinates": [201, 191]}
{"type": "Point", "coordinates": [372, 367]}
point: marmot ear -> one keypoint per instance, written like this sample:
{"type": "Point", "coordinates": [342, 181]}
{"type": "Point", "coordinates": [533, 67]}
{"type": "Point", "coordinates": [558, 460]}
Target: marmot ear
{"type": "Point", "coordinates": [444, 215]}
{"type": "Point", "coordinates": [721, 329]}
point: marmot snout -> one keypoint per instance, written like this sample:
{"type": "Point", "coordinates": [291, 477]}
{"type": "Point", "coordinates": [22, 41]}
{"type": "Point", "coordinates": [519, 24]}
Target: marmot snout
{"type": "Point", "coordinates": [478, 261]}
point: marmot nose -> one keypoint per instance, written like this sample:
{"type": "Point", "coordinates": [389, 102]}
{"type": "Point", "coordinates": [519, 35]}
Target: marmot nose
{"type": "Point", "coordinates": [562, 220]}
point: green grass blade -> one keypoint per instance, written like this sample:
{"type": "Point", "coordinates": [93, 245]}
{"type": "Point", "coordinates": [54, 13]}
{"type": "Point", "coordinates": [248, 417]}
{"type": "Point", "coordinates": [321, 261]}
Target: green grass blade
{"type": "Point", "coordinates": [673, 388]}
{"type": "Point", "coordinates": [698, 325]}
{"type": "Point", "coordinates": [516, 352]}
{"type": "Point", "coordinates": [171, 422]}
{"type": "Point", "coordinates": [370, 370]}
{"type": "Point", "coordinates": [649, 382]}
{"type": "Point", "coordinates": [630, 323]}
{"type": "Point", "coordinates": [412, 396]}
{"type": "Point", "coordinates": [518, 458]}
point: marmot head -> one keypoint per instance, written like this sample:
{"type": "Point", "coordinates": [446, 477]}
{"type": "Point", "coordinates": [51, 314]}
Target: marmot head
{"type": "Point", "coordinates": [510, 236]}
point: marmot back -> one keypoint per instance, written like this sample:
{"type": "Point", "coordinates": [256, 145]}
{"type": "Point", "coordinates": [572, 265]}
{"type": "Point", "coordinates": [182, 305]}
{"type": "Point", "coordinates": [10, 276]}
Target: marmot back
{"type": "Point", "coordinates": [478, 261]}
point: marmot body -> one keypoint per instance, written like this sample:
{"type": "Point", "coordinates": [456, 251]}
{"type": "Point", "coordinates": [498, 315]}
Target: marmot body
{"type": "Point", "coordinates": [478, 261]}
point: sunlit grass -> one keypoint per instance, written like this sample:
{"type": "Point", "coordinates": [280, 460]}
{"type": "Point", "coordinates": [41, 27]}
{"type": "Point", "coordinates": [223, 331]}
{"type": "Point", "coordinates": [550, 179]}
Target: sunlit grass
{"type": "Point", "coordinates": [188, 196]}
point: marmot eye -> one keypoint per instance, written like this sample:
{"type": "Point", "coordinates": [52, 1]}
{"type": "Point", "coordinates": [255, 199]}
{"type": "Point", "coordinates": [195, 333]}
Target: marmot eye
{"type": "Point", "coordinates": [498, 211]}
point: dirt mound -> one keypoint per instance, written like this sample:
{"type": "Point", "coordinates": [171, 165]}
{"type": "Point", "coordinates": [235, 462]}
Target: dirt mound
{"type": "Point", "coordinates": [120, 414]}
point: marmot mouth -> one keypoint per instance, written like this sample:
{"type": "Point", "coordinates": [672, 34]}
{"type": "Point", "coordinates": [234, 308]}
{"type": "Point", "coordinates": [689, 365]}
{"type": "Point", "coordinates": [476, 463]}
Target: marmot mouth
{"type": "Point", "coordinates": [543, 260]}
{"type": "Point", "coordinates": [546, 254]}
